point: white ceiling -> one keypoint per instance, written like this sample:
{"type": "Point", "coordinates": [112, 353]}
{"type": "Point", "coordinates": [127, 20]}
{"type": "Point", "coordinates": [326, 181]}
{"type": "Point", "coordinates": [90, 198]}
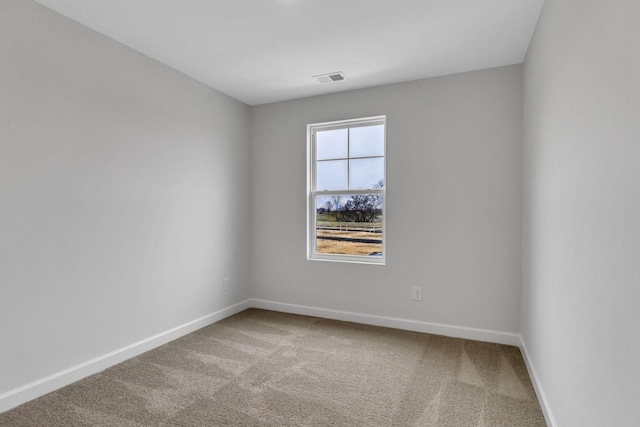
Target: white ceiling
{"type": "Point", "coordinates": [261, 51]}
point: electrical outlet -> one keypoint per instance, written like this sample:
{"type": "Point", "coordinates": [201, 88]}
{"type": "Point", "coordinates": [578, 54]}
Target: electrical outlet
{"type": "Point", "coordinates": [417, 293]}
{"type": "Point", "coordinates": [226, 284]}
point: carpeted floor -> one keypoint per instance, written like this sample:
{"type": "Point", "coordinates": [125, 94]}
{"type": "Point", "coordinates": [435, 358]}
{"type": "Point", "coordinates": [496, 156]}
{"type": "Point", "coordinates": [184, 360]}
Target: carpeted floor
{"type": "Point", "coordinates": [263, 368]}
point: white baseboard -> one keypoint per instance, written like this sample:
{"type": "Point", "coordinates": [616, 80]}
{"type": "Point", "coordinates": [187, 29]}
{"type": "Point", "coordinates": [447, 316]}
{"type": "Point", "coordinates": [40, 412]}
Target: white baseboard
{"type": "Point", "coordinates": [392, 322]}
{"type": "Point", "coordinates": [60, 379]}
{"type": "Point", "coordinates": [537, 386]}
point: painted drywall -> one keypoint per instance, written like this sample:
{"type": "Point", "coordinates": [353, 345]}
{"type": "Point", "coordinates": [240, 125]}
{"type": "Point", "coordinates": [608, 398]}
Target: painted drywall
{"type": "Point", "coordinates": [454, 148]}
{"type": "Point", "coordinates": [581, 272]}
{"type": "Point", "coordinates": [124, 196]}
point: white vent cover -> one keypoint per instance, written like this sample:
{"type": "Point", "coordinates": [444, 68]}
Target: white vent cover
{"type": "Point", "coordinates": [331, 77]}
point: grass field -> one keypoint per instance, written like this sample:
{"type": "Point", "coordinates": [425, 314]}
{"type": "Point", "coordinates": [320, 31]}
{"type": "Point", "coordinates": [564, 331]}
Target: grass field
{"type": "Point", "coordinates": [348, 248]}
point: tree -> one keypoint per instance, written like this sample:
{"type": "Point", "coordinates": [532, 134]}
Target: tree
{"type": "Point", "coordinates": [357, 208]}
{"type": "Point", "coordinates": [364, 207]}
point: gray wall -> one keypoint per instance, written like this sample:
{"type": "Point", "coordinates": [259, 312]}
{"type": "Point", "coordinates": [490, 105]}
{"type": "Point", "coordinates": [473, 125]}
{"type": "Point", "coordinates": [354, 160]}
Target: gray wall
{"type": "Point", "coordinates": [124, 195]}
{"type": "Point", "coordinates": [454, 147]}
{"type": "Point", "coordinates": [581, 281]}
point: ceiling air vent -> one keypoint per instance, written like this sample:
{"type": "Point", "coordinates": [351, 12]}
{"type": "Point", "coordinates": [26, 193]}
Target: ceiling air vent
{"type": "Point", "coordinates": [331, 77]}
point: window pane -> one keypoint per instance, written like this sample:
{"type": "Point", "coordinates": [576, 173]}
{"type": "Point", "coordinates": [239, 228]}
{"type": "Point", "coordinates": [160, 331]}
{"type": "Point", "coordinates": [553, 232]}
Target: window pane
{"type": "Point", "coordinates": [331, 144]}
{"type": "Point", "coordinates": [366, 141]}
{"type": "Point", "coordinates": [366, 173]}
{"type": "Point", "coordinates": [331, 175]}
{"type": "Point", "coordinates": [349, 225]}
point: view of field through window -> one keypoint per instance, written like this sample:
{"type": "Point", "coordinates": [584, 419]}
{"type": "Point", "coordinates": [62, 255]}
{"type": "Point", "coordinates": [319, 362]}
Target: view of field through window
{"type": "Point", "coordinates": [349, 225]}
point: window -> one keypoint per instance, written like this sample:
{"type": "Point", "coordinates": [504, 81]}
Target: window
{"type": "Point", "coordinates": [346, 191]}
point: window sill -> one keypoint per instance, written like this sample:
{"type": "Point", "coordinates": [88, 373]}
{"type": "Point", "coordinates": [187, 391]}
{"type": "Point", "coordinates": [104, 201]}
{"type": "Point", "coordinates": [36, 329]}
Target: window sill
{"type": "Point", "coordinates": [369, 260]}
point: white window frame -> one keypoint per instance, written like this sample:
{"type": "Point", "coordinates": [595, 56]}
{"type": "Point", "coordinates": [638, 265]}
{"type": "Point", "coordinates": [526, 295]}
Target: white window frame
{"type": "Point", "coordinates": [312, 193]}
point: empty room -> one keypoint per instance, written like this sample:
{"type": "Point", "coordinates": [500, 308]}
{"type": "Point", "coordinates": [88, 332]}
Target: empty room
{"type": "Point", "coordinates": [305, 213]}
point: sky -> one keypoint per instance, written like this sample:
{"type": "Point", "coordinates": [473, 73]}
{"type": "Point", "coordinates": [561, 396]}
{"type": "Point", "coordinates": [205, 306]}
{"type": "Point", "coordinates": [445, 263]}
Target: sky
{"type": "Point", "coordinates": [350, 159]}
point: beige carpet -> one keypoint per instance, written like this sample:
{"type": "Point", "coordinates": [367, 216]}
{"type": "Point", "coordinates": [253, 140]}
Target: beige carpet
{"type": "Point", "coordinates": [262, 368]}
